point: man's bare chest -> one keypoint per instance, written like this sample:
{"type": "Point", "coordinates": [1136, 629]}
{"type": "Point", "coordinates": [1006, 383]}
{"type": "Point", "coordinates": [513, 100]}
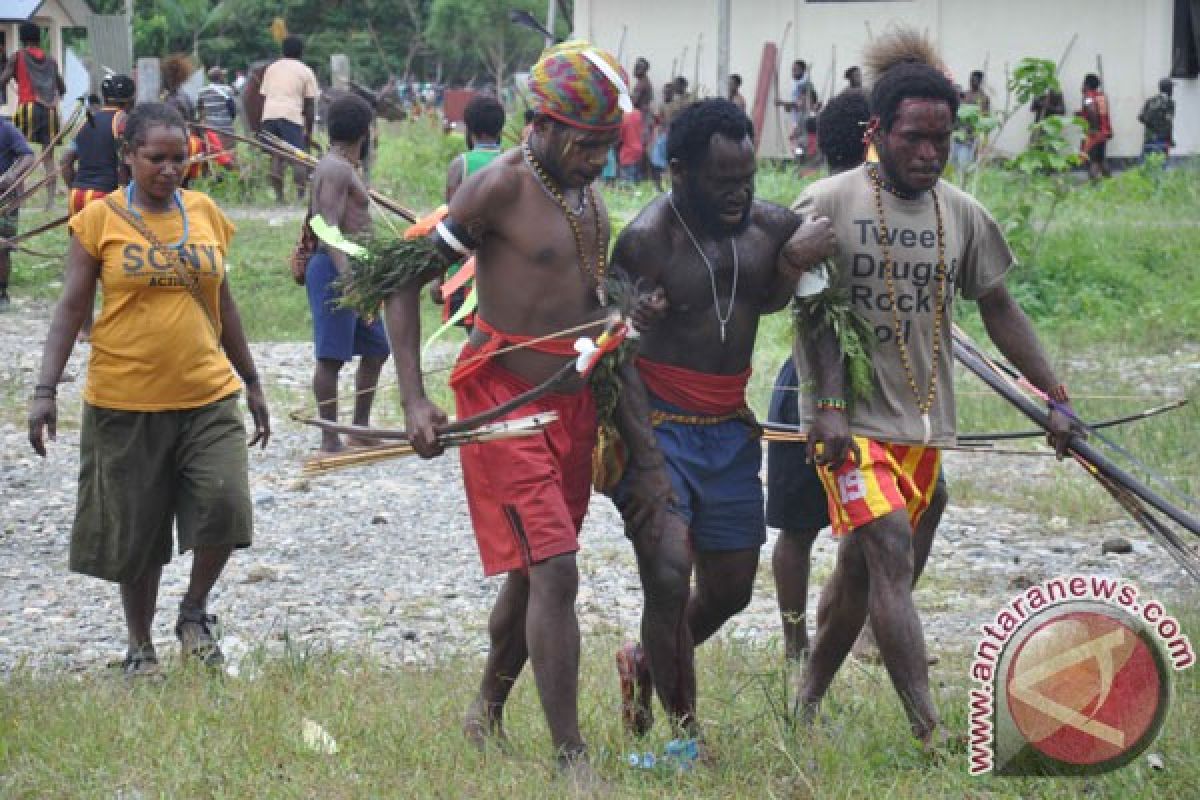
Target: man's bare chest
{"type": "Point", "coordinates": [734, 271]}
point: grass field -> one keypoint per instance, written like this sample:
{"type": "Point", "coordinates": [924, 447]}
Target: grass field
{"type": "Point", "coordinates": [1114, 291]}
{"type": "Point", "coordinates": [196, 736]}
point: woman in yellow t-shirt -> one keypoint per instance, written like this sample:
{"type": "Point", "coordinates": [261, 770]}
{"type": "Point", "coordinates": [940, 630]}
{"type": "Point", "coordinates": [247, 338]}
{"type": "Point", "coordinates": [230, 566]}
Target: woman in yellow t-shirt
{"type": "Point", "coordinates": [162, 440]}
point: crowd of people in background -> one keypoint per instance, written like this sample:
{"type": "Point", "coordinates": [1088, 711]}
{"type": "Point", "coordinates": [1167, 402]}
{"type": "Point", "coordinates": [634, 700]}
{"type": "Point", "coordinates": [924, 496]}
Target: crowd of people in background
{"type": "Point", "coordinates": [281, 96]}
{"type": "Point", "coordinates": [639, 154]}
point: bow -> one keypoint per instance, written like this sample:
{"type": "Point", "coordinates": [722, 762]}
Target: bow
{"type": "Point", "coordinates": [294, 155]}
{"type": "Point", "coordinates": [977, 442]}
{"type": "Point", "coordinates": [507, 429]}
{"type": "Point", "coordinates": [1132, 495]}
{"type": "Point", "coordinates": [796, 434]}
{"type": "Point", "coordinates": [54, 223]}
{"type": "Point", "coordinates": [460, 431]}
{"type": "Point", "coordinates": [69, 128]}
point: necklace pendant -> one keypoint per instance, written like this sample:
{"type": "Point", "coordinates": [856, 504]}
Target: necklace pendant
{"type": "Point", "coordinates": [722, 333]}
{"type": "Point", "coordinates": [928, 428]}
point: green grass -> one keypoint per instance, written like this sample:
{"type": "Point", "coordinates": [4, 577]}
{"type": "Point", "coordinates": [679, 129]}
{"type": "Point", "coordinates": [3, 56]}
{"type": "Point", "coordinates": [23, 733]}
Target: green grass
{"type": "Point", "coordinates": [397, 732]}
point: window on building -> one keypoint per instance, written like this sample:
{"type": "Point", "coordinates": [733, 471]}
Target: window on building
{"type": "Point", "coordinates": [1185, 40]}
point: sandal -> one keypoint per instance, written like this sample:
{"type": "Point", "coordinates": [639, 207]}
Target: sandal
{"type": "Point", "coordinates": [194, 631]}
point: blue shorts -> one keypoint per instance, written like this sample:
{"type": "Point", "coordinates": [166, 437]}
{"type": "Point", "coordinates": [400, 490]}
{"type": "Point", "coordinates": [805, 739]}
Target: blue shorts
{"type": "Point", "coordinates": [796, 498]}
{"type": "Point", "coordinates": [287, 130]}
{"type": "Point", "coordinates": [338, 333]}
{"type": "Point", "coordinates": [714, 472]}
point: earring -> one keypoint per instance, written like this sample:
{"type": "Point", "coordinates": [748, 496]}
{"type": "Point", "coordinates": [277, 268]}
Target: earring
{"type": "Point", "coordinates": [871, 129]}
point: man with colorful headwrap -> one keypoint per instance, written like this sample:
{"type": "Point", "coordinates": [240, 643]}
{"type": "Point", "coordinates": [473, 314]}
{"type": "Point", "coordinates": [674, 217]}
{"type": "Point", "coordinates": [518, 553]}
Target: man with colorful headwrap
{"type": "Point", "coordinates": [540, 237]}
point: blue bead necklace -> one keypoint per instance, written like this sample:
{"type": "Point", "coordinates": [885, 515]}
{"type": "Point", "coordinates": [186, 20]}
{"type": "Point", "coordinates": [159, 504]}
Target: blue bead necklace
{"type": "Point", "coordinates": [177, 197]}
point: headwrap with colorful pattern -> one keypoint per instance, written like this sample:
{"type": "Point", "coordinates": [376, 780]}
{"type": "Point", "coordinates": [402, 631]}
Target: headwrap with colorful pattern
{"type": "Point", "coordinates": [580, 85]}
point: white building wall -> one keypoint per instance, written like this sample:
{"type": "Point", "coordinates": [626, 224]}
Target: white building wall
{"type": "Point", "coordinates": [1131, 37]}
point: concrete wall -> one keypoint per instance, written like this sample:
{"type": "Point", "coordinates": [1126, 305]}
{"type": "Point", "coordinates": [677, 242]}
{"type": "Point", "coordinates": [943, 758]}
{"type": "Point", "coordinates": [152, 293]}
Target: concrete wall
{"type": "Point", "coordinates": [1132, 37]}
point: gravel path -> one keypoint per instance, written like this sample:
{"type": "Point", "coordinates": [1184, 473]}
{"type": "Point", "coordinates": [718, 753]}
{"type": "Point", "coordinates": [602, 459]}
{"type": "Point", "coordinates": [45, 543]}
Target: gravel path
{"type": "Point", "coordinates": [383, 558]}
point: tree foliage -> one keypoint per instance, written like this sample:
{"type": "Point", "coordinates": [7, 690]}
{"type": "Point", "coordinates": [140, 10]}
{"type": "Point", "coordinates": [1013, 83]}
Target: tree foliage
{"type": "Point", "coordinates": [478, 33]}
{"type": "Point", "coordinates": [454, 41]}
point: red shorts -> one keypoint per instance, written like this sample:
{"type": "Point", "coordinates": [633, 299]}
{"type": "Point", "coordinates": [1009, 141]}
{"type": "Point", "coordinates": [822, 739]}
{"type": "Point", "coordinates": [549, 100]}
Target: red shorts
{"type": "Point", "coordinates": [527, 496]}
{"type": "Point", "coordinates": [890, 477]}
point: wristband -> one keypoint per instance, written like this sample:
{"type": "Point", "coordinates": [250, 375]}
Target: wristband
{"type": "Point", "coordinates": [830, 404]}
{"type": "Point", "coordinates": [250, 380]}
{"type": "Point", "coordinates": [48, 390]}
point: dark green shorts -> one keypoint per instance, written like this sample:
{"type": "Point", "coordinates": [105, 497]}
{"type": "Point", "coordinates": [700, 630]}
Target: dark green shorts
{"type": "Point", "coordinates": [142, 472]}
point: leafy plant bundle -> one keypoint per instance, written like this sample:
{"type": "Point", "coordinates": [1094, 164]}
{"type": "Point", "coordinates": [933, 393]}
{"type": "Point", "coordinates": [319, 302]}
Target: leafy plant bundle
{"type": "Point", "coordinates": [604, 381]}
{"type": "Point", "coordinates": [386, 264]}
{"type": "Point", "coordinates": [831, 308]}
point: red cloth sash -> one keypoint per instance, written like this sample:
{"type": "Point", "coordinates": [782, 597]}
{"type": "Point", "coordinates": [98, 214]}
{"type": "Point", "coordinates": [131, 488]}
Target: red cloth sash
{"type": "Point", "coordinates": [698, 392]}
{"type": "Point", "coordinates": [471, 362]}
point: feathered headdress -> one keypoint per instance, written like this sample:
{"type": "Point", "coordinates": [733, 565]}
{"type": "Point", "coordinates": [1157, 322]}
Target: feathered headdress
{"type": "Point", "coordinates": [900, 45]}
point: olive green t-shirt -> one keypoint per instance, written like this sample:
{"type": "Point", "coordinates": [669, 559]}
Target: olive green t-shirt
{"type": "Point", "coordinates": [977, 259]}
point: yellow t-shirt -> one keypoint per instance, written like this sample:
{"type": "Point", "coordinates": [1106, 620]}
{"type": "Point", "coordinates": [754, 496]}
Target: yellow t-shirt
{"type": "Point", "coordinates": [153, 348]}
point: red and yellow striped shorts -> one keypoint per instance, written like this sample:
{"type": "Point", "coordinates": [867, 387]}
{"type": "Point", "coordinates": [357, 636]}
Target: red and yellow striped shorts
{"type": "Point", "coordinates": [891, 477]}
{"type": "Point", "coordinates": [78, 198]}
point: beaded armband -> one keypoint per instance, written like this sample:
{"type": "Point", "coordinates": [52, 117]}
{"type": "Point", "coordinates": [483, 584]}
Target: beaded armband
{"type": "Point", "coordinates": [830, 404]}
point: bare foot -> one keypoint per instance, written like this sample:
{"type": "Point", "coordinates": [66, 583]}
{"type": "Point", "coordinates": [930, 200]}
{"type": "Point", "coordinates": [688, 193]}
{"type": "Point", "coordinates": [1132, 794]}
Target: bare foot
{"type": "Point", "coordinates": [581, 780]}
{"type": "Point", "coordinates": [483, 725]}
{"type": "Point", "coordinates": [637, 689]}
{"type": "Point", "coordinates": [330, 445]}
{"type": "Point", "coordinates": [939, 746]}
